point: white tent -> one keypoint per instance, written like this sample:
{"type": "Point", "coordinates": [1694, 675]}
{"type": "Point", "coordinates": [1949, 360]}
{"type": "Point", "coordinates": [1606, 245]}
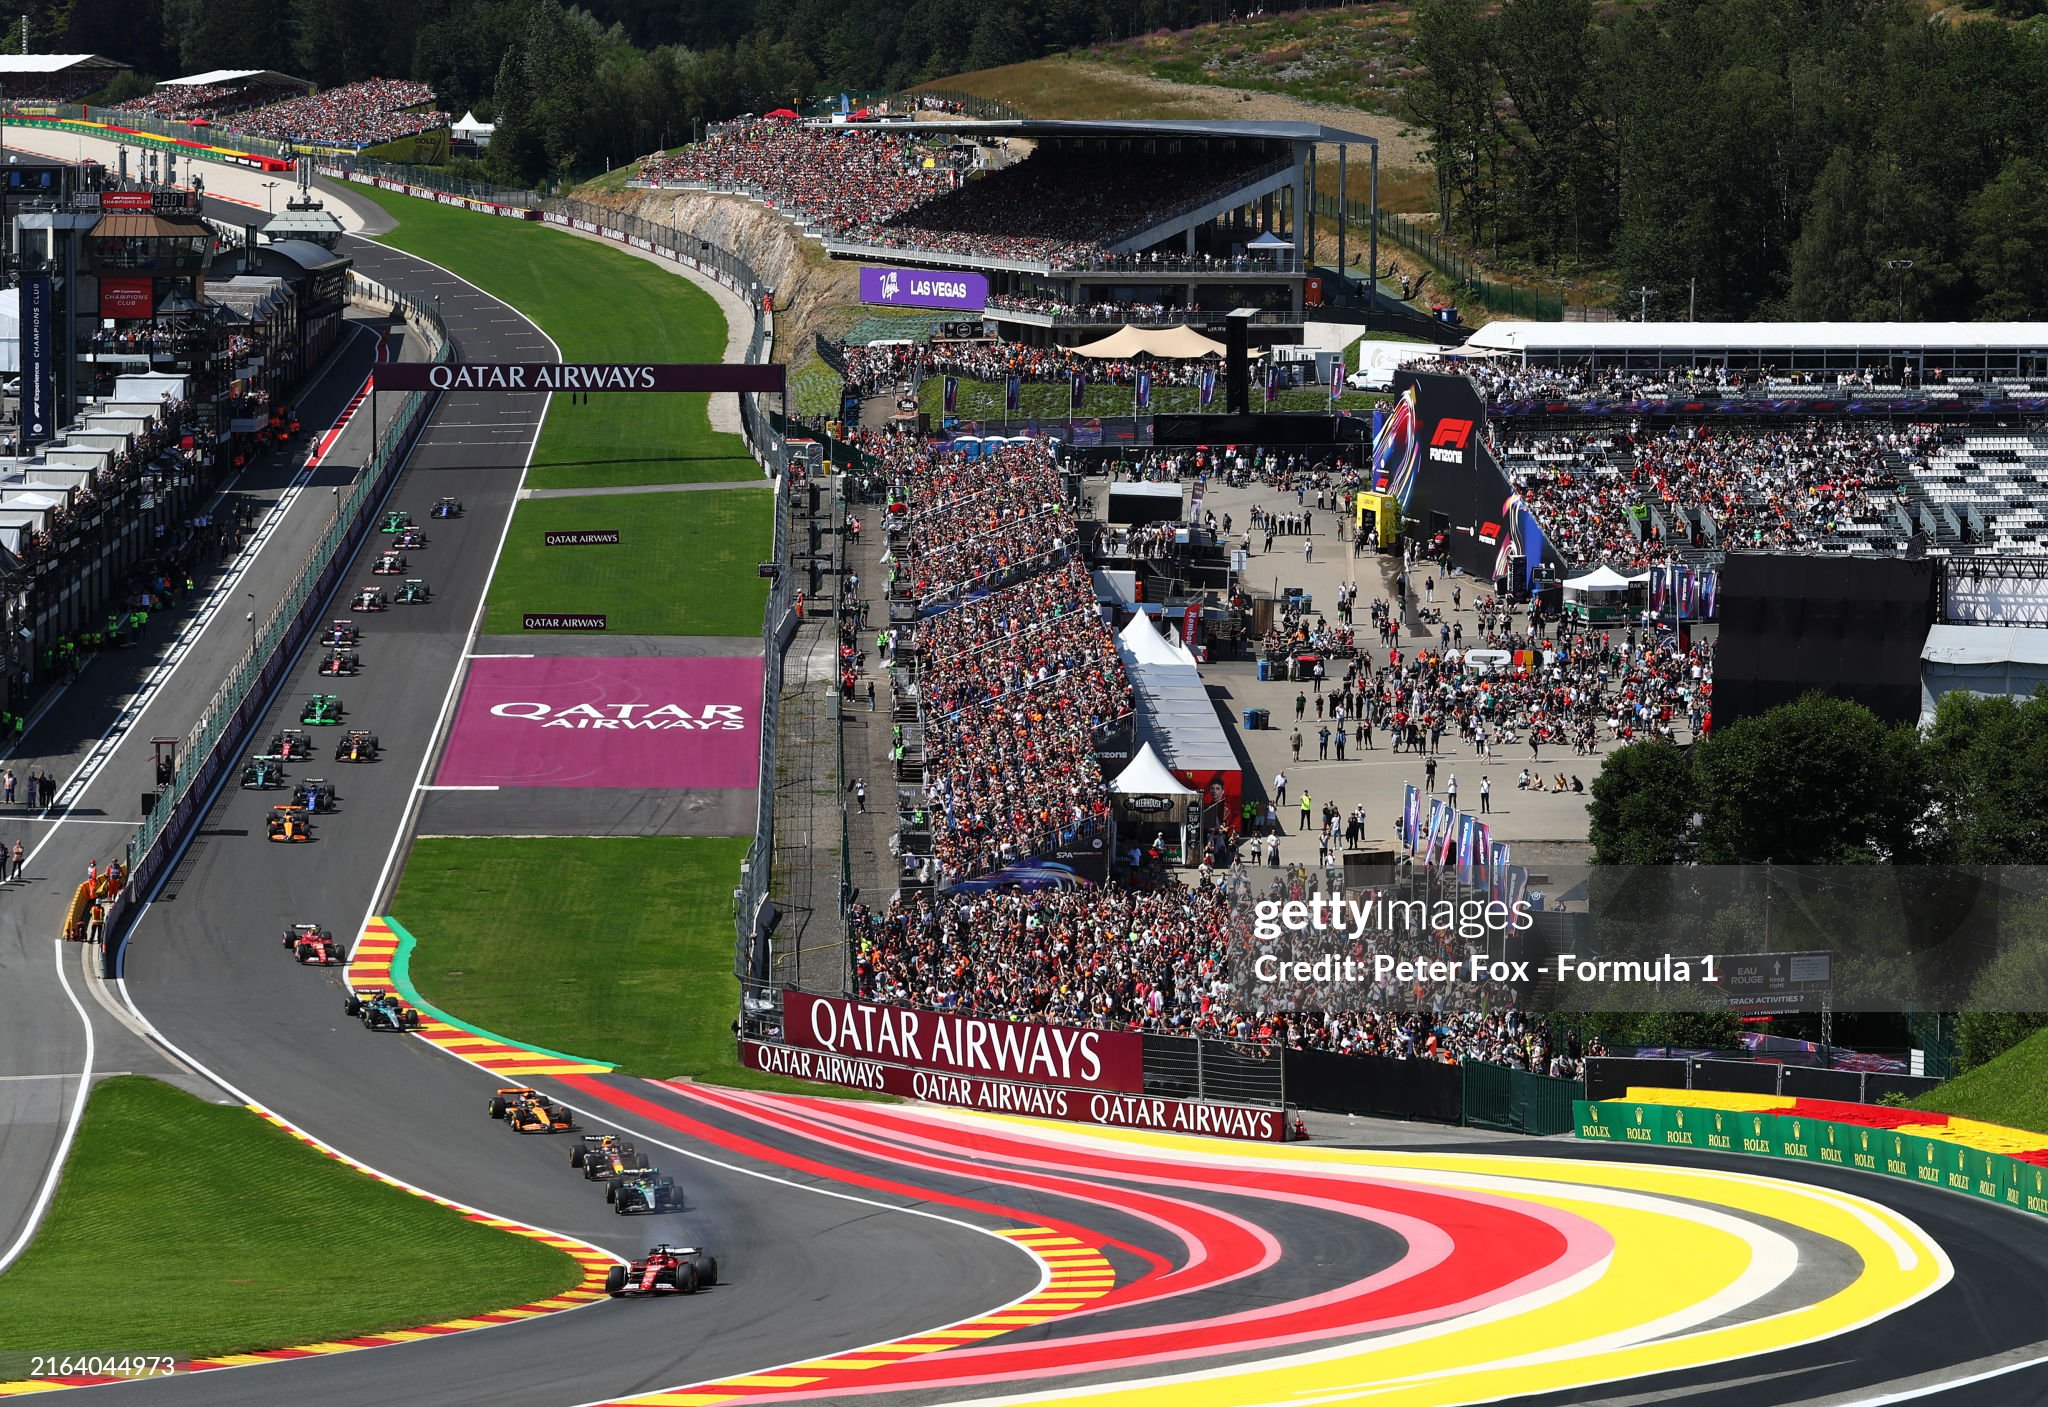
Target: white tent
{"type": "Point", "coordinates": [1271, 241]}
{"type": "Point", "coordinates": [1599, 579]}
{"type": "Point", "coordinates": [1146, 775]}
{"type": "Point", "coordinates": [1145, 645]}
{"type": "Point", "coordinates": [471, 130]}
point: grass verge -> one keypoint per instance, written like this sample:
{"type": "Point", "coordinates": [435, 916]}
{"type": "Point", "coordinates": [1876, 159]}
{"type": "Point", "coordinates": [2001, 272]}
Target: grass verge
{"type": "Point", "coordinates": [2011, 1089]}
{"type": "Point", "coordinates": [599, 305]}
{"type": "Point", "coordinates": [612, 948]}
{"type": "Point", "coordinates": [684, 564]}
{"type": "Point", "coordinates": [224, 1234]}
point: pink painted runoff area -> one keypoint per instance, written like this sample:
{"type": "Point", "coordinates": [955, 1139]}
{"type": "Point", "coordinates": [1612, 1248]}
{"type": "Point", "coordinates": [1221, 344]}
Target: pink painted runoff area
{"type": "Point", "coordinates": [569, 722]}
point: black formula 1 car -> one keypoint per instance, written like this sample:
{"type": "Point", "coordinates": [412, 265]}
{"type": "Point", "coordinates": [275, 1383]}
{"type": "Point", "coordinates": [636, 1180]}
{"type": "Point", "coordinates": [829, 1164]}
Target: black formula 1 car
{"type": "Point", "coordinates": [356, 745]}
{"type": "Point", "coordinates": [530, 1111]}
{"type": "Point", "coordinates": [665, 1269]}
{"type": "Point", "coordinates": [288, 825]}
{"type": "Point", "coordinates": [341, 632]}
{"type": "Point", "coordinates": [644, 1192]}
{"type": "Point", "coordinates": [395, 520]}
{"type": "Point", "coordinates": [379, 1010]}
{"type": "Point", "coordinates": [604, 1164]}
{"type": "Point", "coordinates": [414, 592]}
{"type": "Point", "coordinates": [410, 539]}
{"type": "Point", "coordinates": [340, 664]}
{"type": "Point", "coordinates": [316, 795]}
{"type": "Point", "coordinates": [323, 710]}
{"type": "Point", "coordinates": [389, 564]}
{"type": "Point", "coordinates": [314, 946]}
{"type": "Point", "coordinates": [599, 1145]}
{"type": "Point", "coordinates": [371, 600]}
{"type": "Point", "coordinates": [292, 744]}
{"type": "Point", "coordinates": [263, 773]}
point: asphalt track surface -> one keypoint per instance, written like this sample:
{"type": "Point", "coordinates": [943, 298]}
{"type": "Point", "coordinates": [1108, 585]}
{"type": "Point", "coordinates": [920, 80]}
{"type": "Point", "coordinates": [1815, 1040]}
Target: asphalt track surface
{"type": "Point", "coordinates": [840, 1227]}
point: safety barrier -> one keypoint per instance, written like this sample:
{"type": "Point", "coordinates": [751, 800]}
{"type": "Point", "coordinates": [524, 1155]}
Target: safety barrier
{"type": "Point", "coordinates": [1427, 244]}
{"type": "Point", "coordinates": [210, 750]}
{"type": "Point", "coordinates": [1609, 1077]}
{"type": "Point", "coordinates": [1902, 1152]}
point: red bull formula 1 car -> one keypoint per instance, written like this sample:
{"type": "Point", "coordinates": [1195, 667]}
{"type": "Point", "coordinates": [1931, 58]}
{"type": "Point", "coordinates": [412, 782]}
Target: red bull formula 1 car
{"type": "Point", "coordinates": [314, 946]}
{"type": "Point", "coordinates": [665, 1269]}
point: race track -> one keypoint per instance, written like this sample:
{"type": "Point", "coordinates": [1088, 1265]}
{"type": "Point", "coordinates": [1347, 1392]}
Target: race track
{"type": "Point", "coordinates": [912, 1255]}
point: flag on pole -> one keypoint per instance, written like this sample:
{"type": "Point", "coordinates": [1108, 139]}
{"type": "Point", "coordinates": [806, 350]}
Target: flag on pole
{"type": "Point", "coordinates": [1144, 390]}
{"type": "Point", "coordinates": [1208, 386]}
{"type": "Point", "coordinates": [952, 394]}
{"type": "Point", "coordinates": [1411, 818]}
{"type": "Point", "coordinates": [1013, 394]}
{"type": "Point", "coordinates": [1272, 384]}
{"type": "Point", "coordinates": [1077, 387]}
{"type": "Point", "coordinates": [1497, 873]}
{"type": "Point", "coordinates": [1336, 378]}
{"type": "Point", "coordinates": [1465, 838]}
{"type": "Point", "coordinates": [1437, 816]}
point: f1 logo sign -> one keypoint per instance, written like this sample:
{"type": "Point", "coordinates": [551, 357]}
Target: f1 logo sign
{"type": "Point", "coordinates": [1454, 433]}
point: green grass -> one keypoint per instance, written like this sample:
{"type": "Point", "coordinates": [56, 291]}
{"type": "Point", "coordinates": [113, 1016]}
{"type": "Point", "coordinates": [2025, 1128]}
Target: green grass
{"type": "Point", "coordinates": [612, 948]}
{"type": "Point", "coordinates": [599, 305]}
{"type": "Point", "coordinates": [209, 1231]}
{"type": "Point", "coordinates": [2011, 1089]}
{"type": "Point", "coordinates": [1349, 55]}
{"type": "Point", "coordinates": [684, 565]}
{"type": "Point", "coordinates": [814, 390]}
{"type": "Point", "coordinates": [985, 400]}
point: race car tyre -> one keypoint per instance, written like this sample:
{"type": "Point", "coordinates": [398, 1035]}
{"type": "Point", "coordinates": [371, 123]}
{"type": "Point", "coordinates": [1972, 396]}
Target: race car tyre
{"type": "Point", "coordinates": [575, 1157]}
{"type": "Point", "coordinates": [567, 1120]}
{"type": "Point", "coordinates": [708, 1271]}
{"type": "Point", "coordinates": [497, 1107]}
{"type": "Point", "coordinates": [611, 1193]}
{"type": "Point", "coordinates": [352, 1006]}
{"type": "Point", "coordinates": [686, 1279]}
{"type": "Point", "coordinates": [615, 1281]}
{"type": "Point", "coordinates": [412, 1021]}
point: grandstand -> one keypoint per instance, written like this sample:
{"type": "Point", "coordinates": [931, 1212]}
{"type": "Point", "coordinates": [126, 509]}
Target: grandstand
{"type": "Point", "coordinates": [202, 97]}
{"type": "Point", "coordinates": [1916, 354]}
{"type": "Point", "coordinates": [55, 78]}
{"type": "Point", "coordinates": [1075, 223]}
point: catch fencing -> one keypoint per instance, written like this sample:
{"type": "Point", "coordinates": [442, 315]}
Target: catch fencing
{"type": "Point", "coordinates": [210, 750]}
{"type": "Point", "coordinates": [1429, 245]}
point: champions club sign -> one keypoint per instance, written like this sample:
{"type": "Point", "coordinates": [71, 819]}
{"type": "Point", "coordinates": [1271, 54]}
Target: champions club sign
{"type": "Point", "coordinates": [544, 377]}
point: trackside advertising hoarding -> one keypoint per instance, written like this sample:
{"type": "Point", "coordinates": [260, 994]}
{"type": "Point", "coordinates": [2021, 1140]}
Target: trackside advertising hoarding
{"type": "Point", "coordinates": [965, 1045]}
{"type": "Point", "coordinates": [1082, 1106]}
{"type": "Point", "coordinates": [766, 377]}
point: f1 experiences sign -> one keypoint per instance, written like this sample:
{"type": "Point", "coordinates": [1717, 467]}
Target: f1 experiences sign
{"type": "Point", "coordinates": [573, 722]}
{"type": "Point", "coordinates": [924, 288]}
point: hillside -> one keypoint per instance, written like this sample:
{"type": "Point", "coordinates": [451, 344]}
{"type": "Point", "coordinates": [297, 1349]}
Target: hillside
{"type": "Point", "coordinates": [1349, 56]}
{"type": "Point", "coordinates": [2010, 1090]}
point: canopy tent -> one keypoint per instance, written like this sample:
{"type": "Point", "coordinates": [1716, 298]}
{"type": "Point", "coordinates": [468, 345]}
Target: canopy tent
{"type": "Point", "coordinates": [1177, 720]}
{"type": "Point", "coordinates": [1144, 644]}
{"type": "Point", "coordinates": [1270, 241]}
{"type": "Point", "coordinates": [1180, 343]}
{"type": "Point", "coordinates": [1146, 775]}
{"type": "Point", "coordinates": [1599, 579]}
{"type": "Point", "coordinates": [1599, 597]}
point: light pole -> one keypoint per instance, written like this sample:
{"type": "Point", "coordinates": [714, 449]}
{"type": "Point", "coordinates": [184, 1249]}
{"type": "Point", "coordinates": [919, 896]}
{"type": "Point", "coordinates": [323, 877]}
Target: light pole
{"type": "Point", "coordinates": [1643, 295]}
{"type": "Point", "coordinates": [1900, 268]}
{"type": "Point", "coordinates": [270, 197]}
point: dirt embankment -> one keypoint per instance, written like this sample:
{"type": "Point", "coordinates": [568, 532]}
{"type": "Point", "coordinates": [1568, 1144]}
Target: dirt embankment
{"type": "Point", "coordinates": [812, 292]}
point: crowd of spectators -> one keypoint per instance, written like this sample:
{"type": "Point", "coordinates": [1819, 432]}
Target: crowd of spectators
{"type": "Point", "coordinates": [1791, 489]}
{"type": "Point", "coordinates": [1100, 310]}
{"type": "Point", "coordinates": [872, 370]}
{"type": "Point", "coordinates": [353, 115]}
{"type": "Point", "coordinates": [1015, 685]}
{"type": "Point", "coordinates": [64, 86]}
{"type": "Point", "coordinates": [1503, 380]}
{"type": "Point", "coordinates": [183, 102]}
{"type": "Point", "coordinates": [843, 179]}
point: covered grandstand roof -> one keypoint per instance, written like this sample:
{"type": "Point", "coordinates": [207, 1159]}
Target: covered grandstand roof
{"type": "Point", "coordinates": [57, 63]}
{"type": "Point", "coordinates": [1601, 337]}
{"type": "Point", "coordinates": [1039, 127]}
{"type": "Point", "coordinates": [221, 77]}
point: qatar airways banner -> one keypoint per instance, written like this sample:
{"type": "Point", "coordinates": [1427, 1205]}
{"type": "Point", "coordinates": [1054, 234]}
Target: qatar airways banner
{"type": "Point", "coordinates": [569, 722]}
{"type": "Point", "coordinates": [965, 1045]}
{"type": "Point", "coordinates": [924, 288]}
{"type": "Point", "coordinates": [529, 377]}
{"type": "Point", "coordinates": [1081, 1106]}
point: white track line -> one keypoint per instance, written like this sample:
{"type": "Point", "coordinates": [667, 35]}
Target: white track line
{"type": "Point", "coordinates": [34, 1219]}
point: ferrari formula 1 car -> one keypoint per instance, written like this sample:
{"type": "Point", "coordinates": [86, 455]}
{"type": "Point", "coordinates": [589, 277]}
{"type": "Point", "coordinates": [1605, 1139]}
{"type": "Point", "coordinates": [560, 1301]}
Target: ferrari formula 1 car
{"type": "Point", "coordinates": [389, 564]}
{"type": "Point", "coordinates": [446, 508]}
{"type": "Point", "coordinates": [410, 539]}
{"type": "Point", "coordinates": [288, 825]}
{"type": "Point", "coordinates": [370, 599]}
{"type": "Point", "coordinates": [414, 592]}
{"type": "Point", "coordinates": [341, 632]}
{"type": "Point", "coordinates": [395, 520]}
{"type": "Point", "coordinates": [340, 663]}
{"type": "Point", "coordinates": [645, 1191]}
{"type": "Point", "coordinates": [263, 773]}
{"type": "Point", "coordinates": [323, 709]}
{"type": "Point", "coordinates": [357, 745]}
{"type": "Point", "coordinates": [292, 744]}
{"type": "Point", "coordinates": [530, 1111]}
{"type": "Point", "coordinates": [316, 795]}
{"type": "Point", "coordinates": [599, 1145]}
{"type": "Point", "coordinates": [379, 1010]}
{"type": "Point", "coordinates": [314, 946]}
{"type": "Point", "coordinates": [665, 1269]}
